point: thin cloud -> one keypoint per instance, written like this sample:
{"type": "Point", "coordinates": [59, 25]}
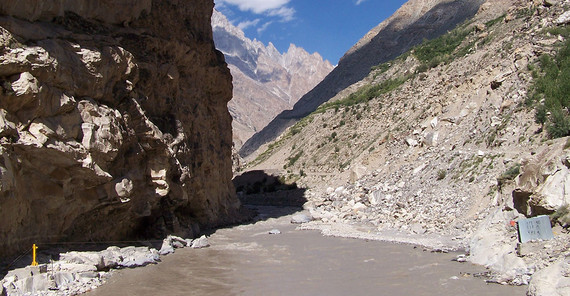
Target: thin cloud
{"type": "Point", "coordinates": [358, 2]}
{"type": "Point", "coordinates": [256, 6]}
{"type": "Point", "coordinates": [263, 28]}
{"type": "Point", "coordinates": [285, 13]}
{"type": "Point", "coordinates": [275, 8]}
{"type": "Point", "coordinates": [246, 24]}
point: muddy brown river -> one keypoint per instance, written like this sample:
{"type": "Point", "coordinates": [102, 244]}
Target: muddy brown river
{"type": "Point", "coordinates": [247, 260]}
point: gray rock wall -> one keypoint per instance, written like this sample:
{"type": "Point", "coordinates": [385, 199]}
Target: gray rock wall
{"type": "Point", "coordinates": [113, 122]}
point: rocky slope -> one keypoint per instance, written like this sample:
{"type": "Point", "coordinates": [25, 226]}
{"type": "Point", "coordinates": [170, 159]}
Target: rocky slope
{"type": "Point", "coordinates": [441, 144]}
{"type": "Point", "coordinates": [113, 121]}
{"type": "Point", "coordinates": [265, 81]}
{"type": "Point", "coordinates": [410, 25]}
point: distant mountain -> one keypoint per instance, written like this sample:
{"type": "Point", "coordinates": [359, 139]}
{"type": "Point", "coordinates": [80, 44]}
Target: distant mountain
{"type": "Point", "coordinates": [414, 22]}
{"type": "Point", "coordinates": [265, 81]}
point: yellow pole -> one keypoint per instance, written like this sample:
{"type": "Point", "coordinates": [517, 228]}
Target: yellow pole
{"type": "Point", "coordinates": [34, 248]}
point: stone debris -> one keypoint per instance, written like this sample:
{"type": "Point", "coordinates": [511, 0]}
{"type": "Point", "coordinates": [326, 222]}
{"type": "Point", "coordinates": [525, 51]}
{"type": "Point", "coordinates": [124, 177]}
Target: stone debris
{"type": "Point", "coordinates": [301, 218]}
{"type": "Point", "coordinates": [79, 272]}
{"type": "Point", "coordinates": [200, 243]}
{"type": "Point", "coordinates": [275, 231]}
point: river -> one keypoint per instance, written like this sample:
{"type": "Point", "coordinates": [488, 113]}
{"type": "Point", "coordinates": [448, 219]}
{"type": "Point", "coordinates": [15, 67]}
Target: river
{"type": "Point", "coordinates": [247, 260]}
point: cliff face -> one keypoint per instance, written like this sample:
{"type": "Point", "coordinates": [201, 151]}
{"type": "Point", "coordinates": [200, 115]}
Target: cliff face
{"type": "Point", "coordinates": [113, 121]}
{"type": "Point", "coordinates": [414, 22]}
{"type": "Point", "coordinates": [265, 81]}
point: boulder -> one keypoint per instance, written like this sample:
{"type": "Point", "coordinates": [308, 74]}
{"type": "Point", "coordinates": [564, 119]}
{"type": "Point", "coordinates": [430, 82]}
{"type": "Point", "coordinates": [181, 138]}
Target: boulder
{"type": "Point", "coordinates": [564, 18]}
{"type": "Point", "coordinates": [200, 243]}
{"type": "Point", "coordinates": [177, 242]}
{"type": "Point", "coordinates": [375, 197]}
{"type": "Point", "coordinates": [493, 245]}
{"type": "Point", "coordinates": [301, 218]}
{"type": "Point", "coordinates": [83, 258]}
{"type": "Point", "coordinates": [357, 172]}
{"type": "Point", "coordinates": [411, 142]}
{"type": "Point", "coordinates": [433, 123]}
{"type": "Point", "coordinates": [553, 280]}
{"type": "Point", "coordinates": [63, 279]}
{"type": "Point", "coordinates": [431, 139]}
{"type": "Point", "coordinates": [138, 256]}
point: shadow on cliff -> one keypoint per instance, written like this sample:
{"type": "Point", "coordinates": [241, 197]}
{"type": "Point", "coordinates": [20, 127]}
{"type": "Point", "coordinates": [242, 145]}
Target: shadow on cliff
{"type": "Point", "coordinates": [264, 196]}
{"type": "Point", "coordinates": [257, 188]}
{"type": "Point", "coordinates": [388, 44]}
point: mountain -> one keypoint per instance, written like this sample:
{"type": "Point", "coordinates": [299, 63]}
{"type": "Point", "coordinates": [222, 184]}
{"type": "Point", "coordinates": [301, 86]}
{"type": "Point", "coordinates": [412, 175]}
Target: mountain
{"type": "Point", "coordinates": [265, 81]}
{"type": "Point", "coordinates": [456, 143]}
{"type": "Point", "coordinates": [414, 22]}
{"type": "Point", "coordinates": [113, 122]}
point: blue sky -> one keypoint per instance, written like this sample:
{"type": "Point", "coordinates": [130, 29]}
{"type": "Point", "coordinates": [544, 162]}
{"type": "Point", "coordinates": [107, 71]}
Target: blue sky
{"type": "Point", "coordinates": [329, 27]}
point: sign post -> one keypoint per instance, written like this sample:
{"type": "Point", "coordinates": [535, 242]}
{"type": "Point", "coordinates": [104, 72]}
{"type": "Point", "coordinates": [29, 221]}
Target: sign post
{"type": "Point", "coordinates": [536, 228]}
{"type": "Point", "coordinates": [34, 262]}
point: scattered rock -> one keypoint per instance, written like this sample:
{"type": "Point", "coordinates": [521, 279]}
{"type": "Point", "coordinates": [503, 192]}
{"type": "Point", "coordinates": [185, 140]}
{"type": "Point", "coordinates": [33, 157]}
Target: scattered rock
{"type": "Point", "coordinates": [552, 281]}
{"type": "Point", "coordinates": [564, 18]}
{"type": "Point", "coordinates": [411, 142]}
{"type": "Point", "coordinates": [301, 218]}
{"type": "Point", "coordinates": [433, 123]}
{"type": "Point", "coordinates": [431, 139]}
{"type": "Point", "coordinates": [200, 243]}
{"type": "Point", "coordinates": [275, 231]}
{"type": "Point", "coordinates": [166, 247]}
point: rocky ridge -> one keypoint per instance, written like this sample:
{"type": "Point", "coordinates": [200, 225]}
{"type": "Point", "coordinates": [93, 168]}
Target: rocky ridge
{"type": "Point", "coordinates": [113, 122]}
{"type": "Point", "coordinates": [446, 150]}
{"type": "Point", "coordinates": [265, 81]}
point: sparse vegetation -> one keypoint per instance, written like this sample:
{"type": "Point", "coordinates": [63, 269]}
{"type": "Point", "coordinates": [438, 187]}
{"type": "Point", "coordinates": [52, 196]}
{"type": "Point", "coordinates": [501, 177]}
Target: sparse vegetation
{"type": "Point", "coordinates": [550, 93]}
{"type": "Point", "coordinates": [432, 53]}
{"type": "Point", "coordinates": [291, 160]}
{"type": "Point", "coordinates": [495, 21]}
{"type": "Point", "coordinates": [365, 94]}
{"type": "Point", "coordinates": [561, 215]}
{"type": "Point", "coordinates": [441, 174]}
{"type": "Point", "coordinates": [509, 174]}
{"type": "Point", "coordinates": [381, 68]}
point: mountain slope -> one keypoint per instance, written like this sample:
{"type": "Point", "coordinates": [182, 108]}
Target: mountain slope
{"type": "Point", "coordinates": [265, 81]}
{"type": "Point", "coordinates": [410, 25]}
{"type": "Point", "coordinates": [446, 143]}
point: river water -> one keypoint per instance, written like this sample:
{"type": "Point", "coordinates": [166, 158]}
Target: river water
{"type": "Point", "coordinates": [247, 260]}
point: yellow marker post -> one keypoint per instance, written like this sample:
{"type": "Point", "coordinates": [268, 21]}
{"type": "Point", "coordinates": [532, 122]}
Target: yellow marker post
{"type": "Point", "coordinates": [34, 262]}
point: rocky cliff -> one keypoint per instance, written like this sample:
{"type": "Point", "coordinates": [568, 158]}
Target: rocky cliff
{"type": "Point", "coordinates": [414, 22]}
{"type": "Point", "coordinates": [265, 81]}
{"type": "Point", "coordinates": [113, 121]}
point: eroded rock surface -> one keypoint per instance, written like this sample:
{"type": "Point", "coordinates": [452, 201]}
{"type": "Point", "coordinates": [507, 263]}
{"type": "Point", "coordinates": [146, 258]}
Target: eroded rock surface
{"type": "Point", "coordinates": [113, 121]}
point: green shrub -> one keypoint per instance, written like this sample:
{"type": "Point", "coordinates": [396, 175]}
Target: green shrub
{"type": "Point", "coordinates": [509, 174]}
{"type": "Point", "coordinates": [561, 215]}
{"type": "Point", "coordinates": [365, 94]}
{"type": "Point", "coordinates": [495, 21]}
{"type": "Point", "coordinates": [439, 50]}
{"type": "Point", "coordinates": [552, 83]}
{"type": "Point", "coordinates": [293, 159]}
{"type": "Point", "coordinates": [441, 174]}
{"type": "Point", "coordinates": [381, 68]}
